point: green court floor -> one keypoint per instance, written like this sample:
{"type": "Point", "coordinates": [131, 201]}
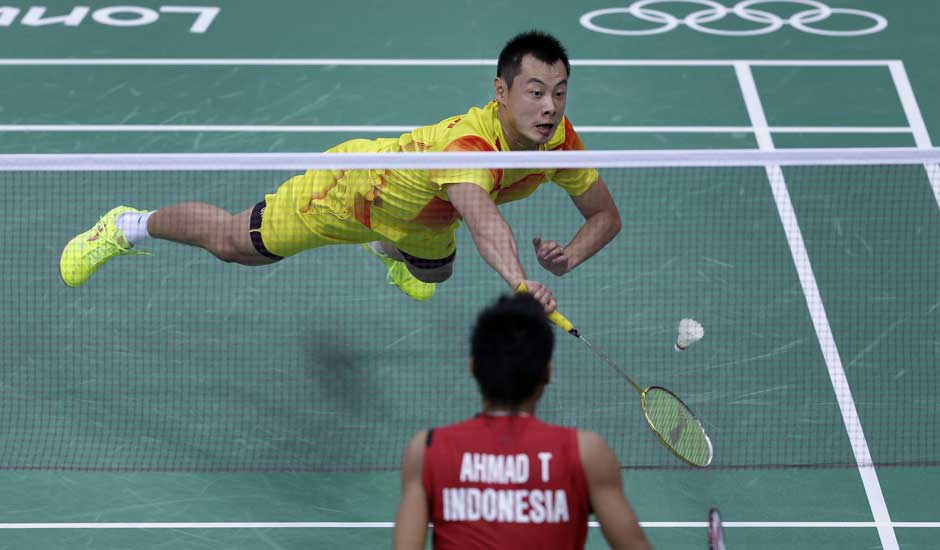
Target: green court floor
{"type": "Point", "coordinates": [175, 402]}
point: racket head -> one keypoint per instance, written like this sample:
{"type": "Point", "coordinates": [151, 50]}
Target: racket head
{"type": "Point", "coordinates": [716, 534]}
{"type": "Point", "coordinates": [676, 426]}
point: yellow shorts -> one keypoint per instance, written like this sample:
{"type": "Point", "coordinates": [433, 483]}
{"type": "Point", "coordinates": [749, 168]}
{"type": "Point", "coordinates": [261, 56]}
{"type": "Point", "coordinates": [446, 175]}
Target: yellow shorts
{"type": "Point", "coordinates": [310, 210]}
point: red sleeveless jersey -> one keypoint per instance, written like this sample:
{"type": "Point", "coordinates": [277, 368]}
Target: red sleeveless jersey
{"type": "Point", "coordinates": [505, 482]}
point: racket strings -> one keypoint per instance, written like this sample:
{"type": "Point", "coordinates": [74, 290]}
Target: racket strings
{"type": "Point", "coordinates": [669, 418]}
{"type": "Point", "coordinates": [677, 427]}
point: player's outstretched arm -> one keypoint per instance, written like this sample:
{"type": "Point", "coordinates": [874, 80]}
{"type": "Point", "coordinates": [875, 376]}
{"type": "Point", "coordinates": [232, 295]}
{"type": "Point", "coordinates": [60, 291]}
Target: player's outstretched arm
{"type": "Point", "coordinates": [494, 239]}
{"type": "Point", "coordinates": [601, 225]}
{"type": "Point", "coordinates": [411, 521]}
{"type": "Point", "coordinates": [618, 522]}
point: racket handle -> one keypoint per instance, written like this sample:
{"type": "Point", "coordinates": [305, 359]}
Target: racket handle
{"type": "Point", "coordinates": [555, 317]}
{"type": "Point", "coordinates": [562, 322]}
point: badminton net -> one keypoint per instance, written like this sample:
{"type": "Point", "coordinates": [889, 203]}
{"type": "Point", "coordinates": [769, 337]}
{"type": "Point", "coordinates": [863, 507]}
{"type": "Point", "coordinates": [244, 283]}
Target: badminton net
{"type": "Point", "coordinates": [813, 272]}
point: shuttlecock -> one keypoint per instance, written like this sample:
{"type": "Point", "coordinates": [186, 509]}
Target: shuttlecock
{"type": "Point", "coordinates": [690, 331]}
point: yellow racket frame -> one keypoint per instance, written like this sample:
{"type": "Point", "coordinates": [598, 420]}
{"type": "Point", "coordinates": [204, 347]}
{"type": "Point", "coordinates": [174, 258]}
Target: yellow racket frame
{"type": "Point", "coordinates": [562, 322]}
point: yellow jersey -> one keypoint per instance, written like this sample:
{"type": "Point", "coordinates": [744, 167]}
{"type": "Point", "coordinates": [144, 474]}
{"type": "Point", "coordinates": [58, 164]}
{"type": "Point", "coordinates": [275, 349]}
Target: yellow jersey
{"type": "Point", "coordinates": [411, 207]}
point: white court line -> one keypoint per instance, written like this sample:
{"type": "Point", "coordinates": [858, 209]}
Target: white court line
{"type": "Point", "coordinates": [389, 525]}
{"type": "Point", "coordinates": [839, 129]}
{"type": "Point", "coordinates": [916, 121]}
{"type": "Point", "coordinates": [379, 62]}
{"type": "Point", "coordinates": [319, 128]}
{"type": "Point", "coordinates": [817, 311]}
{"type": "Point", "coordinates": [430, 63]}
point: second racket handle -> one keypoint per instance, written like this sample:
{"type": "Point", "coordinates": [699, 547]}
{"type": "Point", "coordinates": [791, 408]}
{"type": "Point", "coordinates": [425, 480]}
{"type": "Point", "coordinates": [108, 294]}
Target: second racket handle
{"type": "Point", "coordinates": [555, 317]}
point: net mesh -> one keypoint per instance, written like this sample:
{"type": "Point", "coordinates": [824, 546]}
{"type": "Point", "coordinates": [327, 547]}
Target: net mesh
{"type": "Point", "coordinates": [816, 283]}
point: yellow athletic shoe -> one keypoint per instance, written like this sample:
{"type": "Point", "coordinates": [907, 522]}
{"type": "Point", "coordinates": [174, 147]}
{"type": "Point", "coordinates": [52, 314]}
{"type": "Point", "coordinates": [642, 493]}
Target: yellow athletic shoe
{"type": "Point", "coordinates": [89, 250]}
{"type": "Point", "coordinates": [399, 276]}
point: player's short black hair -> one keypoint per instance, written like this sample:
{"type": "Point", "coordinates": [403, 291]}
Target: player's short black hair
{"type": "Point", "coordinates": [541, 45]}
{"type": "Point", "coordinates": [511, 347]}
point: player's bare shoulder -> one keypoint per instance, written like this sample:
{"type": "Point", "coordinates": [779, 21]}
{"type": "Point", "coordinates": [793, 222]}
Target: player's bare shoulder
{"type": "Point", "coordinates": [414, 451]}
{"type": "Point", "coordinates": [596, 454]}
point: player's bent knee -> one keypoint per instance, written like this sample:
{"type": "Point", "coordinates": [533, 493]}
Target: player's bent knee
{"type": "Point", "coordinates": [430, 271]}
{"type": "Point", "coordinates": [437, 275]}
{"type": "Point", "coordinates": [236, 256]}
{"type": "Point", "coordinates": [226, 253]}
{"type": "Point", "coordinates": [237, 249]}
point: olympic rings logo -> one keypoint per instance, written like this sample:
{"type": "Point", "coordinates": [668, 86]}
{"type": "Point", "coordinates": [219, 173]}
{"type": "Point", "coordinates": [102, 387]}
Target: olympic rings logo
{"type": "Point", "coordinates": [801, 21]}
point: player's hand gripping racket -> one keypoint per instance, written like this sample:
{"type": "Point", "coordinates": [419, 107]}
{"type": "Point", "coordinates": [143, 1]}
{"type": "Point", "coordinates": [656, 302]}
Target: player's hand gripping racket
{"type": "Point", "coordinates": [670, 419]}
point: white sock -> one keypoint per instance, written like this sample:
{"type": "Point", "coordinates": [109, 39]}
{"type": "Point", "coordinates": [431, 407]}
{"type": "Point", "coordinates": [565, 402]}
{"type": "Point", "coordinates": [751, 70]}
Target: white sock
{"type": "Point", "coordinates": [134, 226]}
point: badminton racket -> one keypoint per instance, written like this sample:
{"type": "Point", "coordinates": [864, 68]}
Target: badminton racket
{"type": "Point", "coordinates": [674, 424]}
{"type": "Point", "coordinates": [716, 533]}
